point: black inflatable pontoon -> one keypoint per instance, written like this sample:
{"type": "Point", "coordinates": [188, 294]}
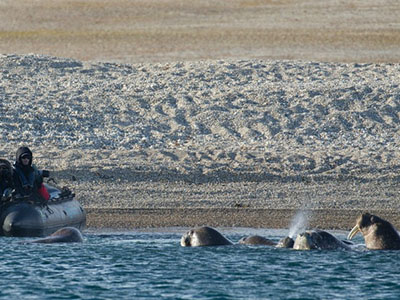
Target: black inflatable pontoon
{"type": "Point", "coordinates": [21, 217]}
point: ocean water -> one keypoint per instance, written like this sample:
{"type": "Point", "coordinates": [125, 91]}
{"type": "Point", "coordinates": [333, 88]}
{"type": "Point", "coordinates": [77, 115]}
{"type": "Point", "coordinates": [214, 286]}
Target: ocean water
{"type": "Point", "coordinates": [153, 265]}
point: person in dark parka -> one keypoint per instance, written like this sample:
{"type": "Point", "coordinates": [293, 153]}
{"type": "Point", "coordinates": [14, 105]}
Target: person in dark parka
{"type": "Point", "coordinates": [27, 178]}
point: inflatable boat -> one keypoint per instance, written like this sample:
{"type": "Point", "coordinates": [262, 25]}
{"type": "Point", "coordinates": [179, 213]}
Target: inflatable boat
{"type": "Point", "coordinates": [24, 217]}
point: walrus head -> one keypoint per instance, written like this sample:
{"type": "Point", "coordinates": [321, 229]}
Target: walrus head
{"type": "Point", "coordinates": [186, 240]}
{"type": "Point", "coordinates": [304, 241]}
{"type": "Point", "coordinates": [203, 236]}
{"type": "Point", "coordinates": [318, 239]}
{"type": "Point", "coordinates": [378, 233]}
{"type": "Point", "coordinates": [286, 242]}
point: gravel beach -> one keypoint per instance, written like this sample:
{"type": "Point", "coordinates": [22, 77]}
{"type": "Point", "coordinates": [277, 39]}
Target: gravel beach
{"type": "Point", "coordinates": [236, 139]}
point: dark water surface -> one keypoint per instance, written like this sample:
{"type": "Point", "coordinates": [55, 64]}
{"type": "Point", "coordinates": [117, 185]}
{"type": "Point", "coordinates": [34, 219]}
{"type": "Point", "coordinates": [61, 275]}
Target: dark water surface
{"type": "Point", "coordinates": [153, 265]}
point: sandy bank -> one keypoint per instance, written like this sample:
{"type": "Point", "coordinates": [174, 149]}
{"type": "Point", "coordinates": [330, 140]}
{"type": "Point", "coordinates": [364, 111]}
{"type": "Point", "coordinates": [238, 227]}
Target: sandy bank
{"type": "Point", "coordinates": [228, 217]}
{"type": "Point", "coordinates": [228, 134]}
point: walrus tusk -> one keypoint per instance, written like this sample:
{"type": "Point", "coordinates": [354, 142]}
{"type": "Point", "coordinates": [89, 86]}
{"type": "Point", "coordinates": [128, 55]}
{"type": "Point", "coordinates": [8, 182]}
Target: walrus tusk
{"type": "Point", "coordinates": [353, 232]}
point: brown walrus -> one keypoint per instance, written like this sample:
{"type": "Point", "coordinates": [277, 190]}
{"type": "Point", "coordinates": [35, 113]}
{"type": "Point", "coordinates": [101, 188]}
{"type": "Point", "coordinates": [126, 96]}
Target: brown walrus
{"type": "Point", "coordinates": [204, 236]}
{"type": "Point", "coordinates": [378, 233]}
{"type": "Point", "coordinates": [286, 242]}
{"type": "Point", "coordinates": [256, 240]}
{"type": "Point", "coordinates": [318, 239]}
{"type": "Point", "coordinates": [63, 235]}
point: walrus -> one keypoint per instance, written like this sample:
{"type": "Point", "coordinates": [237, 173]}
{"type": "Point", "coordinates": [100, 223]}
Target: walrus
{"type": "Point", "coordinates": [204, 236]}
{"type": "Point", "coordinates": [318, 239]}
{"type": "Point", "coordinates": [286, 242]}
{"type": "Point", "coordinates": [378, 233]}
{"type": "Point", "coordinates": [256, 240]}
{"type": "Point", "coordinates": [63, 235]}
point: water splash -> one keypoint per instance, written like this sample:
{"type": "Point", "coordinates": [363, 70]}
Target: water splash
{"type": "Point", "coordinates": [299, 222]}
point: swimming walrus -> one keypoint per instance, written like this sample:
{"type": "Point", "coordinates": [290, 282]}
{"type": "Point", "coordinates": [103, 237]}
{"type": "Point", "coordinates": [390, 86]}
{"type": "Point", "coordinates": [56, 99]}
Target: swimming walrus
{"type": "Point", "coordinates": [286, 242]}
{"type": "Point", "coordinates": [204, 236]}
{"type": "Point", "coordinates": [256, 240]}
{"type": "Point", "coordinates": [378, 233]}
{"type": "Point", "coordinates": [318, 239]}
{"type": "Point", "coordinates": [63, 235]}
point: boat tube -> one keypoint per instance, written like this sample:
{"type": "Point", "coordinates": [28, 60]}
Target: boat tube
{"type": "Point", "coordinates": [23, 217]}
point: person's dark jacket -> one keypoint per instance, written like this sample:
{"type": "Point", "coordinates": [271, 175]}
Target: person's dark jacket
{"type": "Point", "coordinates": [27, 179]}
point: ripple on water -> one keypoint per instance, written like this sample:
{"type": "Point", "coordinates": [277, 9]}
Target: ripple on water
{"type": "Point", "coordinates": [153, 266]}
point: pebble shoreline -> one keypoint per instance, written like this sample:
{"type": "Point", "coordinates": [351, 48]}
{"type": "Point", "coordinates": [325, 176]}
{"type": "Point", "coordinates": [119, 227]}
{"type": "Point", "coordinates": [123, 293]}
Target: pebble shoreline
{"type": "Point", "coordinates": [218, 134]}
